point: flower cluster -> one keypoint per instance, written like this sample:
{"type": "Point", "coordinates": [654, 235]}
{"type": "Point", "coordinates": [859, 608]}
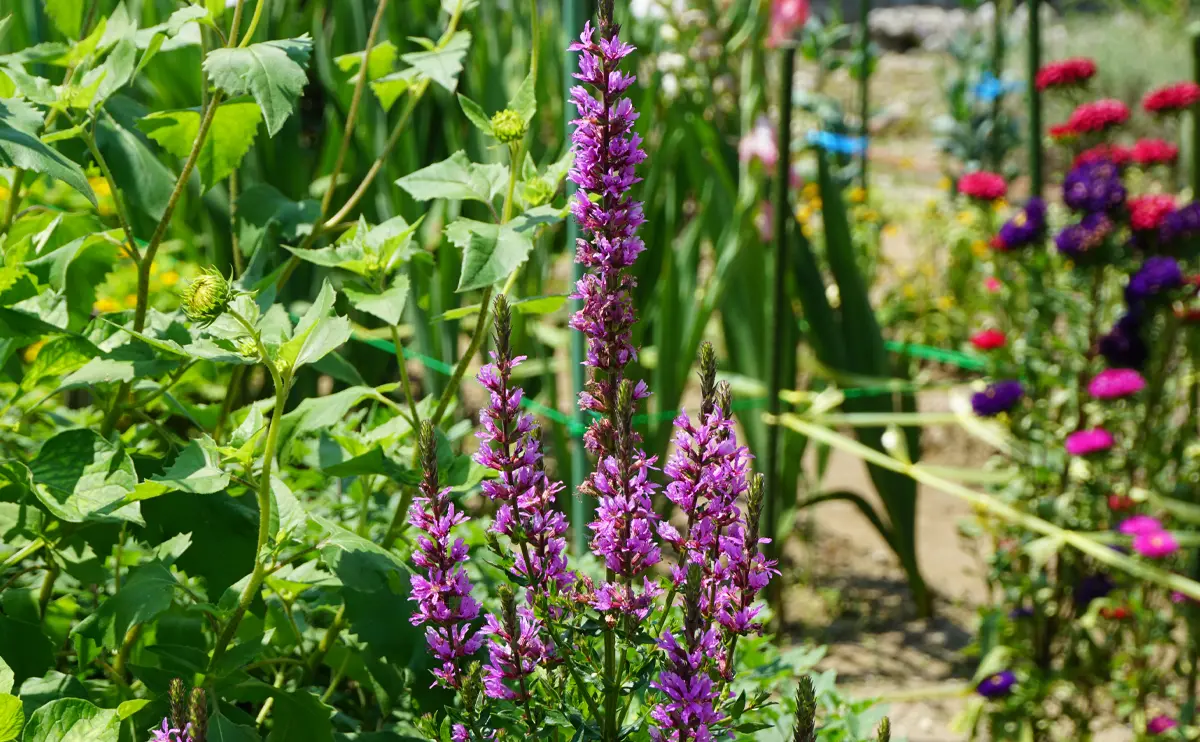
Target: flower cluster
{"type": "Point", "coordinates": [983, 186]}
{"type": "Point", "coordinates": [1150, 539]}
{"type": "Point", "coordinates": [1065, 73]}
{"type": "Point", "coordinates": [1098, 116]}
{"type": "Point", "coordinates": [1104, 152]}
{"type": "Point", "coordinates": [688, 710]}
{"type": "Point", "coordinates": [1027, 227]}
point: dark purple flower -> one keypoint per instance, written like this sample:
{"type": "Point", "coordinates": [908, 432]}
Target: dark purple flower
{"type": "Point", "coordinates": [1081, 240]}
{"type": "Point", "coordinates": [1094, 187]}
{"type": "Point", "coordinates": [443, 593]}
{"type": "Point", "coordinates": [1024, 229]}
{"type": "Point", "coordinates": [1000, 396]}
{"type": "Point", "coordinates": [1124, 346]}
{"type": "Point", "coordinates": [998, 685]}
{"type": "Point", "coordinates": [1091, 588]}
{"type": "Point", "coordinates": [1158, 275]}
{"type": "Point", "coordinates": [1181, 224]}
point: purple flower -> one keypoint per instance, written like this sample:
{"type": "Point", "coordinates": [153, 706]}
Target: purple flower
{"type": "Point", "coordinates": [623, 532]}
{"type": "Point", "coordinates": [1094, 187]}
{"type": "Point", "coordinates": [1160, 724]}
{"type": "Point", "coordinates": [1140, 524]}
{"type": "Point", "coordinates": [1090, 588]}
{"type": "Point", "coordinates": [509, 661]}
{"type": "Point", "coordinates": [1114, 383]}
{"type": "Point", "coordinates": [1000, 396]}
{"type": "Point", "coordinates": [1086, 442]}
{"type": "Point", "coordinates": [1155, 545]}
{"type": "Point", "coordinates": [1024, 229]}
{"type": "Point", "coordinates": [509, 446]}
{"type": "Point", "coordinates": [998, 685]}
{"type": "Point", "coordinates": [1158, 275]}
{"type": "Point", "coordinates": [443, 593]}
{"type": "Point", "coordinates": [691, 703]}
{"type": "Point", "coordinates": [1078, 241]}
{"type": "Point", "coordinates": [1181, 224]}
{"type": "Point", "coordinates": [1124, 346]}
{"type": "Point", "coordinates": [1021, 611]}
{"type": "Point", "coordinates": [166, 734]}
{"type": "Point", "coordinates": [607, 150]}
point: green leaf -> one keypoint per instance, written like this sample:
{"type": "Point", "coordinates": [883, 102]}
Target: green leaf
{"type": "Point", "coordinates": [20, 147]}
{"type": "Point", "coordinates": [490, 251]}
{"type": "Point", "coordinates": [317, 413]}
{"type": "Point", "coordinates": [80, 475]}
{"type": "Point", "coordinates": [301, 717]}
{"type": "Point", "coordinates": [383, 59]}
{"type": "Point", "coordinates": [317, 334]}
{"type": "Point", "coordinates": [142, 179]}
{"type": "Point", "coordinates": [443, 65]}
{"type": "Point", "coordinates": [389, 88]}
{"type": "Point", "coordinates": [12, 717]}
{"type": "Point", "coordinates": [197, 469]}
{"type": "Point", "coordinates": [230, 138]}
{"type": "Point", "coordinates": [26, 649]}
{"type": "Point", "coordinates": [147, 594]}
{"type": "Point", "coordinates": [72, 720]}
{"type": "Point", "coordinates": [67, 16]}
{"type": "Point", "coordinates": [388, 306]}
{"type": "Point", "coordinates": [272, 72]}
{"type": "Point", "coordinates": [6, 677]}
{"type": "Point", "coordinates": [128, 708]}
{"type": "Point", "coordinates": [475, 114]}
{"type": "Point", "coordinates": [524, 101]}
{"type": "Point", "coordinates": [456, 178]}
{"type": "Point", "coordinates": [221, 729]}
{"type": "Point", "coordinates": [262, 208]}
{"type": "Point", "coordinates": [61, 355]}
{"type": "Point", "coordinates": [374, 461]}
{"type": "Point", "coordinates": [115, 73]}
{"type": "Point", "coordinates": [77, 268]}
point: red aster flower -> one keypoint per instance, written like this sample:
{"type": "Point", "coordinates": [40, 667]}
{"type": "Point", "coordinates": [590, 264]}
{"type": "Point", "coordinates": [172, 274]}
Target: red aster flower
{"type": "Point", "coordinates": [1062, 132]}
{"type": "Point", "coordinates": [1114, 153]}
{"type": "Point", "coordinates": [1147, 212]}
{"type": "Point", "coordinates": [1098, 116]}
{"type": "Point", "coordinates": [1116, 613]}
{"type": "Point", "coordinates": [1147, 152]}
{"type": "Point", "coordinates": [982, 185]}
{"type": "Point", "coordinates": [989, 339]}
{"type": "Point", "coordinates": [1119, 503]}
{"type": "Point", "coordinates": [1065, 73]}
{"type": "Point", "coordinates": [1172, 98]}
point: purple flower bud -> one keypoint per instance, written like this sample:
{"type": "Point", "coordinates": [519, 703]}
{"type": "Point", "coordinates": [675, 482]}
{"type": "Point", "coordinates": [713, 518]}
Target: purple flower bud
{"type": "Point", "coordinates": [1000, 396]}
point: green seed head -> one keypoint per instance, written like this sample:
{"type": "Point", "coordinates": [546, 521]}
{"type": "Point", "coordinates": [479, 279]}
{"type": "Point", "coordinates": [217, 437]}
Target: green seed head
{"type": "Point", "coordinates": [508, 126]}
{"type": "Point", "coordinates": [206, 298]}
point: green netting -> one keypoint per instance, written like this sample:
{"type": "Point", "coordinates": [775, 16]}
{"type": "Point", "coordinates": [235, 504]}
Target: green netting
{"type": "Point", "coordinates": [957, 359]}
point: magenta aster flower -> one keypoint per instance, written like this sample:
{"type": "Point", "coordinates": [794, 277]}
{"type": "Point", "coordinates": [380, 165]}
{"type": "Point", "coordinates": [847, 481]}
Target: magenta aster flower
{"type": "Point", "coordinates": [509, 446]}
{"type": "Point", "coordinates": [1160, 724]}
{"type": "Point", "coordinates": [1140, 524]}
{"type": "Point", "coordinates": [1114, 383]}
{"type": "Point", "coordinates": [1085, 442]}
{"type": "Point", "coordinates": [1155, 545]}
{"type": "Point", "coordinates": [443, 593]}
{"type": "Point", "coordinates": [166, 733]}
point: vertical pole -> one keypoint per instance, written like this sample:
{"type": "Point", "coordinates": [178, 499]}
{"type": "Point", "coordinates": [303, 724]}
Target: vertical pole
{"type": "Point", "coordinates": [998, 52]}
{"type": "Point", "coordinates": [581, 508]}
{"type": "Point", "coordinates": [781, 313]}
{"type": "Point", "coordinates": [1035, 98]}
{"type": "Point", "coordinates": [1195, 119]}
{"type": "Point", "coordinates": [864, 86]}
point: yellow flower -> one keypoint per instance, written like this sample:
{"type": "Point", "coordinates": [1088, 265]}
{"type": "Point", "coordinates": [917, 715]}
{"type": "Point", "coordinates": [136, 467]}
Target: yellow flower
{"type": "Point", "coordinates": [807, 231]}
{"type": "Point", "coordinates": [999, 205]}
{"type": "Point", "coordinates": [803, 214]}
{"type": "Point", "coordinates": [945, 303]}
{"type": "Point", "coordinates": [856, 195]}
{"type": "Point", "coordinates": [131, 300]}
{"type": "Point", "coordinates": [891, 230]}
{"type": "Point", "coordinates": [809, 191]}
{"type": "Point", "coordinates": [979, 248]}
{"type": "Point", "coordinates": [32, 351]}
{"type": "Point", "coordinates": [966, 218]}
{"type": "Point", "coordinates": [103, 306]}
{"type": "Point", "coordinates": [816, 204]}
{"type": "Point", "coordinates": [170, 278]}
{"type": "Point", "coordinates": [870, 215]}
{"type": "Point", "coordinates": [927, 270]}
{"type": "Point", "coordinates": [154, 268]}
{"type": "Point", "coordinates": [100, 187]}
{"type": "Point", "coordinates": [910, 292]}
{"type": "Point", "coordinates": [4, 193]}
{"type": "Point", "coordinates": [944, 183]}
{"type": "Point", "coordinates": [907, 163]}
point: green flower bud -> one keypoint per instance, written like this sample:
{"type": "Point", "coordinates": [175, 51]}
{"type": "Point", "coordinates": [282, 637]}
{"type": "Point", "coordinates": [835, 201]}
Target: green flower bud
{"type": "Point", "coordinates": [206, 298]}
{"type": "Point", "coordinates": [508, 126]}
{"type": "Point", "coordinates": [537, 192]}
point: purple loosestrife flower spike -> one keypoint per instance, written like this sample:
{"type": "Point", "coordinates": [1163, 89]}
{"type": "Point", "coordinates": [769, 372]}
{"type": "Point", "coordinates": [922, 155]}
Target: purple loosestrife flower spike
{"type": "Point", "coordinates": [750, 571]}
{"type": "Point", "coordinates": [177, 694]}
{"type": "Point", "coordinates": [509, 445]}
{"type": "Point", "coordinates": [198, 715]}
{"type": "Point", "coordinates": [443, 593]}
{"type": "Point", "coordinates": [623, 532]}
{"type": "Point", "coordinates": [884, 733]}
{"type": "Point", "coordinates": [515, 651]}
{"type": "Point", "coordinates": [690, 703]}
{"type": "Point", "coordinates": [607, 150]}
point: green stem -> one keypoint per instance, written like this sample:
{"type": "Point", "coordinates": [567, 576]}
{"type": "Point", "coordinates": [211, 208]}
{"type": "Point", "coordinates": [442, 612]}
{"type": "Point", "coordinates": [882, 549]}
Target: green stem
{"type": "Point", "coordinates": [864, 86]}
{"type": "Point", "coordinates": [258, 9]}
{"type": "Point", "coordinates": [409, 398]}
{"type": "Point", "coordinates": [236, 23]}
{"type": "Point", "coordinates": [47, 590]}
{"type": "Point", "coordinates": [610, 685]}
{"type": "Point", "coordinates": [1035, 97]}
{"type": "Point", "coordinates": [14, 200]}
{"type": "Point", "coordinates": [131, 638]}
{"type": "Point", "coordinates": [90, 140]}
{"type": "Point", "coordinates": [33, 547]}
{"type": "Point", "coordinates": [399, 518]}
{"type": "Point", "coordinates": [259, 573]}
{"type": "Point", "coordinates": [235, 246]}
{"type": "Point", "coordinates": [327, 641]}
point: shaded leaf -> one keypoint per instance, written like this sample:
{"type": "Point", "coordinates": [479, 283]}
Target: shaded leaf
{"type": "Point", "coordinates": [81, 475]}
{"type": "Point", "coordinates": [197, 469]}
{"type": "Point", "coordinates": [387, 306]}
{"type": "Point", "coordinates": [229, 139]}
{"type": "Point", "coordinates": [20, 147]}
{"type": "Point", "coordinates": [72, 720]}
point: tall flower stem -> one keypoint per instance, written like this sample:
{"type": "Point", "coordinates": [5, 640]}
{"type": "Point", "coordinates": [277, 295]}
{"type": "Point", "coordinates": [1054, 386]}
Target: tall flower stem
{"type": "Point", "coordinates": [864, 86]}
{"type": "Point", "coordinates": [1034, 41]}
{"type": "Point", "coordinates": [779, 301]}
{"type": "Point", "coordinates": [1158, 383]}
{"type": "Point", "coordinates": [1195, 31]}
{"type": "Point", "coordinates": [282, 385]}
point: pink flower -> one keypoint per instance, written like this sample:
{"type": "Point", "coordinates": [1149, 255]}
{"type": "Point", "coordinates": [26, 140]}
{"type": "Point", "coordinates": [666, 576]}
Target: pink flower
{"type": "Point", "coordinates": [1065, 73]}
{"type": "Point", "coordinates": [759, 143]}
{"type": "Point", "coordinates": [1084, 442]}
{"type": "Point", "coordinates": [1098, 116]}
{"type": "Point", "coordinates": [1172, 98]}
{"type": "Point", "coordinates": [1155, 545]}
{"type": "Point", "coordinates": [787, 17]}
{"type": "Point", "coordinates": [992, 284]}
{"type": "Point", "coordinates": [1139, 525]}
{"type": "Point", "coordinates": [989, 339]}
{"type": "Point", "coordinates": [983, 185]}
{"type": "Point", "coordinates": [764, 221]}
{"type": "Point", "coordinates": [1116, 382]}
{"type": "Point", "coordinates": [1147, 152]}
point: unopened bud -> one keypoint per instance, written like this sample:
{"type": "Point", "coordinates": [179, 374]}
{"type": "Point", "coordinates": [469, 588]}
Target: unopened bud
{"type": "Point", "coordinates": [207, 297]}
{"type": "Point", "coordinates": [508, 126]}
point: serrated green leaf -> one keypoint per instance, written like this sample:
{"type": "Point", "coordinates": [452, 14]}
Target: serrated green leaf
{"type": "Point", "coordinates": [491, 251]}
{"type": "Point", "coordinates": [116, 72]}
{"type": "Point", "coordinates": [456, 178]}
{"type": "Point", "coordinates": [317, 333]}
{"type": "Point", "coordinates": [272, 72]}
{"type": "Point", "coordinates": [444, 65]}
{"type": "Point", "coordinates": [72, 720]}
{"type": "Point", "coordinates": [262, 208]}
{"type": "Point", "coordinates": [142, 179]}
{"type": "Point", "coordinates": [145, 595]}
{"type": "Point", "coordinates": [197, 469]}
{"type": "Point", "coordinates": [6, 677]}
{"type": "Point", "coordinates": [80, 475]}
{"type": "Point", "coordinates": [77, 268]}
{"type": "Point", "coordinates": [221, 729]}
{"type": "Point", "coordinates": [475, 114]}
{"type": "Point", "coordinates": [128, 708]}
{"type": "Point", "coordinates": [20, 147]}
{"type": "Point", "coordinates": [59, 356]}
{"type": "Point", "coordinates": [383, 60]}
{"type": "Point", "coordinates": [388, 306]}
{"type": "Point", "coordinates": [374, 461]}
{"type": "Point", "coordinates": [230, 138]}
{"type": "Point", "coordinates": [12, 717]}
